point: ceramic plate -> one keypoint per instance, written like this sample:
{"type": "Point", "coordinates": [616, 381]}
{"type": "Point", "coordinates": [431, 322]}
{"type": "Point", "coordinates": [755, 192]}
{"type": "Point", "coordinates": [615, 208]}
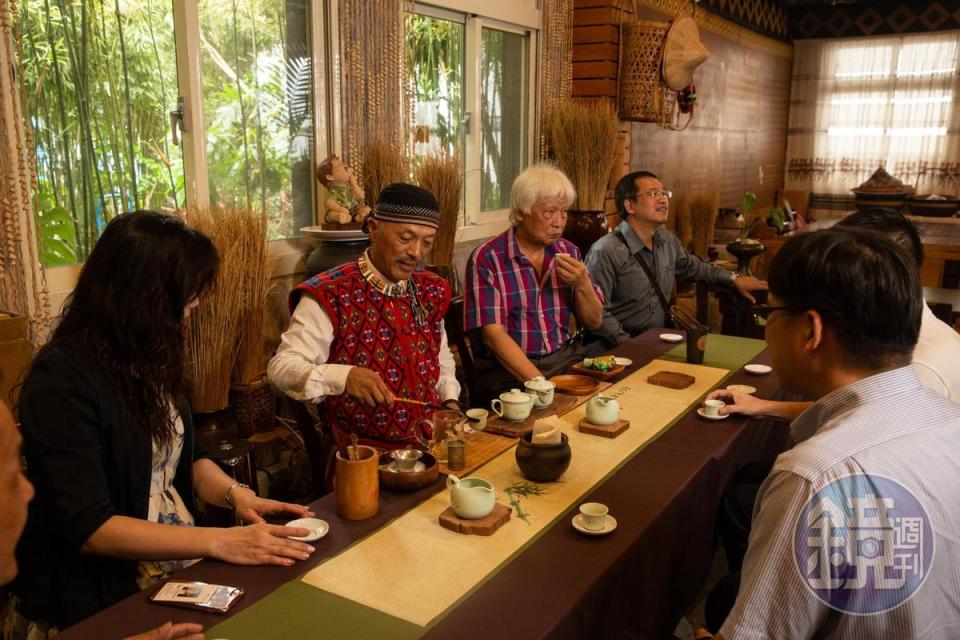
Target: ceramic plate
{"type": "Point", "coordinates": [626, 362]}
{"type": "Point", "coordinates": [318, 528]}
{"type": "Point", "coordinates": [608, 526]}
{"type": "Point", "coordinates": [671, 337]}
{"type": "Point", "coordinates": [334, 235]}
{"type": "Point", "coordinates": [574, 384]}
{"type": "Point", "coordinates": [758, 369]}
{"type": "Point", "coordinates": [742, 388]}
{"type": "Point", "coordinates": [701, 413]}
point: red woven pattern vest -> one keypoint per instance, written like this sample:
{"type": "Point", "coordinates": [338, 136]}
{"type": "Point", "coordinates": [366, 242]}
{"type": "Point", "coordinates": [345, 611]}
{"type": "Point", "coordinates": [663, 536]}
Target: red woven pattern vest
{"type": "Point", "coordinates": [378, 332]}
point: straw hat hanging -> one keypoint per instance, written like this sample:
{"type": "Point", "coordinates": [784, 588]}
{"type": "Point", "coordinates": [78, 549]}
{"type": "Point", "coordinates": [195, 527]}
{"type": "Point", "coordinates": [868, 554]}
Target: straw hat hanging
{"type": "Point", "coordinates": [682, 53]}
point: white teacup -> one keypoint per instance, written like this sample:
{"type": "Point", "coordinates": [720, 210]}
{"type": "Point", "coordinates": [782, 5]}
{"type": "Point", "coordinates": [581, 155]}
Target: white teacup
{"type": "Point", "coordinates": [479, 419]}
{"type": "Point", "coordinates": [593, 515]}
{"type": "Point", "coordinates": [712, 408]}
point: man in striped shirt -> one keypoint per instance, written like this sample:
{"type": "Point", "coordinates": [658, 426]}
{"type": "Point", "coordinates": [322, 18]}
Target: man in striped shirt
{"type": "Point", "coordinates": [523, 285]}
{"type": "Point", "coordinates": [855, 529]}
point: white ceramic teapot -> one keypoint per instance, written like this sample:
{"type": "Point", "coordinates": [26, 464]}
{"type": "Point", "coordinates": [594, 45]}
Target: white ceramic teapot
{"type": "Point", "coordinates": [602, 410]}
{"type": "Point", "coordinates": [542, 391]}
{"type": "Point", "coordinates": [514, 405]}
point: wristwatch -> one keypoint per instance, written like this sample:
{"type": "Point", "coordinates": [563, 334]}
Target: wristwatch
{"type": "Point", "coordinates": [734, 275]}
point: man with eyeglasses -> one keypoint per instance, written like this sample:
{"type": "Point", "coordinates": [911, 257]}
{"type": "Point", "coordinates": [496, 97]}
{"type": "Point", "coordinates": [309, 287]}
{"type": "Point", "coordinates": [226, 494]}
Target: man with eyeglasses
{"type": "Point", "coordinates": [854, 529]}
{"type": "Point", "coordinates": [619, 263]}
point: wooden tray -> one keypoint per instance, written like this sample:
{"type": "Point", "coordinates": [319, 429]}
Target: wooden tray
{"type": "Point", "coordinates": [481, 526]}
{"type": "Point", "coordinates": [481, 447]}
{"type": "Point", "coordinates": [575, 384]}
{"type": "Point", "coordinates": [599, 375]}
{"type": "Point", "coordinates": [604, 430]}
{"type": "Point", "coordinates": [562, 403]}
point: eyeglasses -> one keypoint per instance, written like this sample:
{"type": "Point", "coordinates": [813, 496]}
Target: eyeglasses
{"type": "Point", "coordinates": [761, 313]}
{"type": "Point", "coordinates": [656, 194]}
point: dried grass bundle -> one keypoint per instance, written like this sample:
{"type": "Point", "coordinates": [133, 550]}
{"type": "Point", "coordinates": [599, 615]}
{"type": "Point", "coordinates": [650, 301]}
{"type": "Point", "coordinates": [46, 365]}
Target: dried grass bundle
{"type": "Point", "coordinates": [252, 289]}
{"type": "Point", "coordinates": [229, 319]}
{"type": "Point", "coordinates": [704, 208]}
{"type": "Point", "coordinates": [383, 164]}
{"type": "Point", "coordinates": [583, 137]}
{"type": "Point", "coordinates": [441, 176]}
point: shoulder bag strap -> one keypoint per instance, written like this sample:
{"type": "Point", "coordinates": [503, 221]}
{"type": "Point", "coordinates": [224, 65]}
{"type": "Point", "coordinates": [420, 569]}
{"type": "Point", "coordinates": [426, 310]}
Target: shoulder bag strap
{"type": "Point", "coordinates": [650, 275]}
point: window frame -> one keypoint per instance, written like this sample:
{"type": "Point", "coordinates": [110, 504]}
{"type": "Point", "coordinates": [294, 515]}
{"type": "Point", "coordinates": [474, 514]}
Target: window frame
{"type": "Point", "coordinates": [518, 18]}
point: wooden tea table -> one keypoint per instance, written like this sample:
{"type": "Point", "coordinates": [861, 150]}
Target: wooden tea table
{"type": "Point", "coordinates": [641, 578]}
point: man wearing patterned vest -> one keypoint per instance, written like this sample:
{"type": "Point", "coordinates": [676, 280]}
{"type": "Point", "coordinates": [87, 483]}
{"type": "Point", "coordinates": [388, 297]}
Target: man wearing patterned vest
{"type": "Point", "coordinates": [370, 331]}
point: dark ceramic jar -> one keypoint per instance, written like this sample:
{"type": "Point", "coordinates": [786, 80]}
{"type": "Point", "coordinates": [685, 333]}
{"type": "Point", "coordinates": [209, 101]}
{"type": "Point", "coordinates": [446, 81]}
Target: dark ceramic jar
{"type": "Point", "coordinates": [543, 462]}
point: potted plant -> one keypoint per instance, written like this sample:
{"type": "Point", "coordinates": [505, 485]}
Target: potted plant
{"type": "Point", "coordinates": [744, 247]}
{"type": "Point", "coordinates": [583, 139]}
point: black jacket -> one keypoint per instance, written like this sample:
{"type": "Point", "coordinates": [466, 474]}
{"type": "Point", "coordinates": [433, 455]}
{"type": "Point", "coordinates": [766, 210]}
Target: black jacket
{"type": "Point", "coordinates": [87, 464]}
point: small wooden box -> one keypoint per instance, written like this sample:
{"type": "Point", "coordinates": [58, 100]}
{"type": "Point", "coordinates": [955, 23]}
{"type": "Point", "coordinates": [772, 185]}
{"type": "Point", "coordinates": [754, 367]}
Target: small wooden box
{"type": "Point", "coordinates": [671, 379]}
{"type": "Point", "coordinates": [604, 430]}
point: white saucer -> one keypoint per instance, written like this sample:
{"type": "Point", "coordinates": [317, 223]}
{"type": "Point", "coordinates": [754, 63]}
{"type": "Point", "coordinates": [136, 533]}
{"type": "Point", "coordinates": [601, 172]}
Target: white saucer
{"type": "Point", "coordinates": [394, 467]}
{"type": "Point", "coordinates": [318, 528]}
{"type": "Point", "coordinates": [704, 415]}
{"type": "Point", "coordinates": [624, 361]}
{"type": "Point", "coordinates": [334, 235]}
{"type": "Point", "coordinates": [608, 526]}
{"type": "Point", "coordinates": [742, 388]}
{"type": "Point", "coordinates": [758, 369]}
{"type": "Point", "coordinates": [671, 337]}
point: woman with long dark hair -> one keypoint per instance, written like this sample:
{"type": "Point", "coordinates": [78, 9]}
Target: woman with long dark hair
{"type": "Point", "coordinates": [108, 437]}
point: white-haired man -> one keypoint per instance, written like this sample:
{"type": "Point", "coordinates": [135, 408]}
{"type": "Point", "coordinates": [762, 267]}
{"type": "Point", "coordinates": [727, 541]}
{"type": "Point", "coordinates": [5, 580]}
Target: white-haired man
{"type": "Point", "coordinates": [523, 284]}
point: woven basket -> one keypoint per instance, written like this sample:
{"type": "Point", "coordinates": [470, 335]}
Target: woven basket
{"type": "Point", "coordinates": [642, 95]}
{"type": "Point", "coordinates": [254, 405]}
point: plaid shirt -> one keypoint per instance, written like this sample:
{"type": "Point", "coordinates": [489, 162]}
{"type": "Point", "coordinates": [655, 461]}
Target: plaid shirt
{"type": "Point", "coordinates": [503, 288]}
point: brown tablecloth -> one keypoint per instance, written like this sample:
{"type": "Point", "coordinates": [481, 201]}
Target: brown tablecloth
{"type": "Point", "coordinates": [641, 578]}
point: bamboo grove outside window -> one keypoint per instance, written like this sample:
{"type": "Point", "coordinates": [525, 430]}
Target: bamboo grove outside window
{"type": "Point", "coordinates": [100, 80]}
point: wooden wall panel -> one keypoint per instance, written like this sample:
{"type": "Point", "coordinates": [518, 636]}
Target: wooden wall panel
{"type": "Point", "coordinates": [737, 141]}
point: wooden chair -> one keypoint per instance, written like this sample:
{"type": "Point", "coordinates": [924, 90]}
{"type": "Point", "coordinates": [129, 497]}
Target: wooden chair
{"type": "Point", "coordinates": [464, 344]}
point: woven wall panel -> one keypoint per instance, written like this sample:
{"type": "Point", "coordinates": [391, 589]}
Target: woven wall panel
{"type": "Point", "coordinates": [874, 18]}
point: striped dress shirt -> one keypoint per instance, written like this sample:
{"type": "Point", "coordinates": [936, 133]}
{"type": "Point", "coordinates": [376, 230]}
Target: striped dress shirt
{"type": "Point", "coordinates": [504, 288]}
{"type": "Point", "coordinates": [885, 425]}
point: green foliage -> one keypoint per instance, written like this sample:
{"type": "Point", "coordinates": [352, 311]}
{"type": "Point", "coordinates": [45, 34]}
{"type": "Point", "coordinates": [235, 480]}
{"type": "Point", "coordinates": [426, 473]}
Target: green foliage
{"type": "Point", "coordinates": [435, 66]}
{"type": "Point", "coordinates": [99, 79]}
{"type": "Point", "coordinates": [750, 220]}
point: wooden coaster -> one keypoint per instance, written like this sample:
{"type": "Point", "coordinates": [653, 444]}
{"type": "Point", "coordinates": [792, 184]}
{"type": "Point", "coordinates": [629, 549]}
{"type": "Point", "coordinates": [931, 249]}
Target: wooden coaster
{"type": "Point", "coordinates": [671, 379]}
{"type": "Point", "coordinates": [605, 430]}
{"type": "Point", "coordinates": [481, 526]}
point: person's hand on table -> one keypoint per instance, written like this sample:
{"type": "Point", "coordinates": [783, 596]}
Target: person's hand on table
{"type": "Point", "coordinates": [170, 631]}
{"type": "Point", "coordinates": [738, 402]}
{"type": "Point", "coordinates": [746, 285]}
{"type": "Point", "coordinates": [260, 544]}
{"type": "Point", "coordinates": [366, 386]}
{"type": "Point", "coordinates": [251, 508]}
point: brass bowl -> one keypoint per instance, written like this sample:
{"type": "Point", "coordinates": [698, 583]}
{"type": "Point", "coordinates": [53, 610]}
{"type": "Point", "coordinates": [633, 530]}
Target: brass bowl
{"type": "Point", "coordinates": [407, 480]}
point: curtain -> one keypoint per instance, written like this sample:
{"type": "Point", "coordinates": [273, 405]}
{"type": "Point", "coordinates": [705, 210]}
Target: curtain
{"type": "Point", "coordinates": [373, 81]}
{"type": "Point", "coordinates": [556, 70]}
{"type": "Point", "coordinates": [862, 103]}
{"type": "Point", "coordinates": [24, 284]}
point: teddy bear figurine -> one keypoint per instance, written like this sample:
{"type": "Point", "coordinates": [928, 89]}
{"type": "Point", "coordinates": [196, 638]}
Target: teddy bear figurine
{"type": "Point", "coordinates": [344, 203]}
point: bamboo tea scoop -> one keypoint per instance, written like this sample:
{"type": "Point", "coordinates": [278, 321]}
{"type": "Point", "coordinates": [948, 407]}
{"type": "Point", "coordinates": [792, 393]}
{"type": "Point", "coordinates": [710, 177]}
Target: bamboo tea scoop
{"type": "Point", "coordinates": [354, 454]}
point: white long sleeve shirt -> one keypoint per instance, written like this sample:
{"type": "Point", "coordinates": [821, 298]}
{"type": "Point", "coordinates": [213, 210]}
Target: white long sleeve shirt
{"type": "Point", "coordinates": [300, 369]}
